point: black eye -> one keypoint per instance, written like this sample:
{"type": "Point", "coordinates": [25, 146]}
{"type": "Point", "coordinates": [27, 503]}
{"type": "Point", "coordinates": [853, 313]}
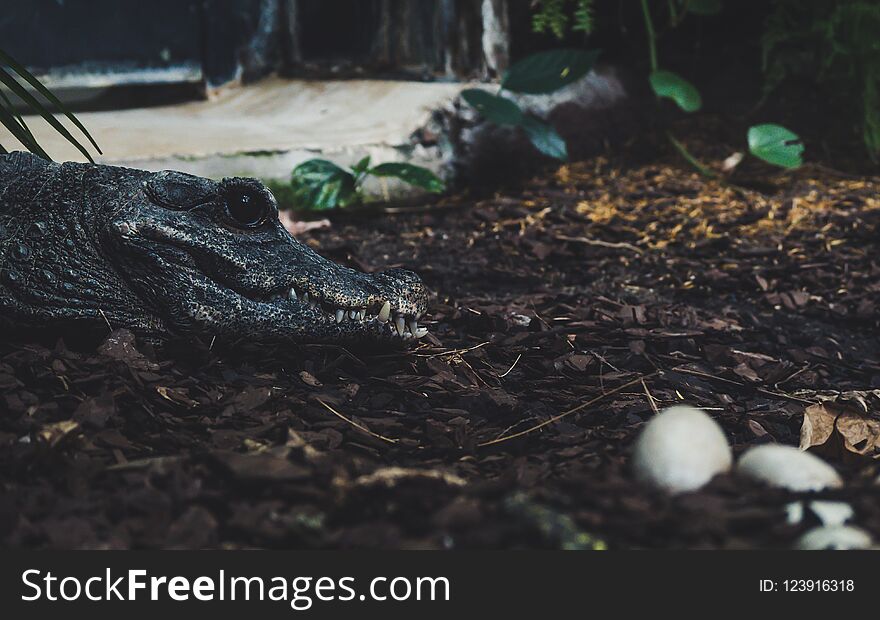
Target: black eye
{"type": "Point", "coordinates": [246, 207]}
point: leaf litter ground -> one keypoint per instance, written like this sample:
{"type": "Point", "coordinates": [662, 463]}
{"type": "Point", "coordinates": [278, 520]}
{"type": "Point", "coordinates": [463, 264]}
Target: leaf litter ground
{"type": "Point", "coordinates": [566, 314]}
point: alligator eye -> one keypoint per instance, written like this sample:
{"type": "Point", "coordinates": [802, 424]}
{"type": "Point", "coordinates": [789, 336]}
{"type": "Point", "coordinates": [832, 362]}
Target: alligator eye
{"type": "Point", "coordinates": [248, 208]}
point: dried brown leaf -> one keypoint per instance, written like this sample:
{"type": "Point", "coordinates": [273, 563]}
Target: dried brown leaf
{"type": "Point", "coordinates": [818, 425]}
{"type": "Point", "coordinates": [832, 424]}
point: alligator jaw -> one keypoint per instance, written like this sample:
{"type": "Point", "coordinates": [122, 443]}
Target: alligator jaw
{"type": "Point", "coordinates": [374, 317]}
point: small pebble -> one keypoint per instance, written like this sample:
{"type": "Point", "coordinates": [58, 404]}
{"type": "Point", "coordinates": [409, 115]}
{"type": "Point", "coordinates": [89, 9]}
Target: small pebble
{"type": "Point", "coordinates": [789, 468]}
{"type": "Point", "coordinates": [681, 449]}
{"type": "Point", "coordinates": [837, 537]}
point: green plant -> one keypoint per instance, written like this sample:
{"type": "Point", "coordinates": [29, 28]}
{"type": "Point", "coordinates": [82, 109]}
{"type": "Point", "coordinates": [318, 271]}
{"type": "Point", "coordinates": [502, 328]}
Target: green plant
{"type": "Point", "coordinates": [773, 144]}
{"type": "Point", "coordinates": [537, 74]}
{"type": "Point", "coordinates": [552, 16]}
{"type": "Point", "coordinates": [318, 184]}
{"type": "Point", "coordinates": [764, 140]}
{"type": "Point", "coordinates": [836, 43]}
{"type": "Point", "coordinates": [10, 73]}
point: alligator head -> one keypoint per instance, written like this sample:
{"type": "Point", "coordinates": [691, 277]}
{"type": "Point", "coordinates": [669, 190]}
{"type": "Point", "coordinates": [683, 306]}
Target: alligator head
{"type": "Point", "coordinates": [169, 252]}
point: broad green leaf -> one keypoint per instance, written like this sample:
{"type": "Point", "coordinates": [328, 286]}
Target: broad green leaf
{"type": "Point", "coordinates": [704, 7]}
{"type": "Point", "coordinates": [494, 108]}
{"type": "Point", "coordinates": [545, 138]}
{"type": "Point", "coordinates": [414, 175]}
{"type": "Point", "coordinates": [546, 72]}
{"type": "Point", "coordinates": [776, 145]}
{"type": "Point", "coordinates": [319, 184]}
{"type": "Point", "coordinates": [675, 87]}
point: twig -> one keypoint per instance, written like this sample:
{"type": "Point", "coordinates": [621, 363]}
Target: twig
{"type": "Point", "coordinates": [515, 362]}
{"type": "Point", "coordinates": [784, 396]}
{"type": "Point", "coordinates": [106, 320]}
{"type": "Point", "coordinates": [650, 398]}
{"type": "Point", "coordinates": [456, 351]}
{"type": "Point", "coordinates": [760, 390]}
{"type": "Point", "coordinates": [144, 463]}
{"type": "Point", "coordinates": [603, 244]}
{"type": "Point", "coordinates": [790, 377]}
{"type": "Point", "coordinates": [556, 418]}
{"type": "Point", "coordinates": [360, 427]}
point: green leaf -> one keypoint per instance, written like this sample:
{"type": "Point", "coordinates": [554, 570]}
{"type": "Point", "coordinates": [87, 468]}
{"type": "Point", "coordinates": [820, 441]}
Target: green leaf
{"type": "Point", "coordinates": [414, 175]}
{"type": "Point", "coordinates": [319, 184]}
{"type": "Point", "coordinates": [776, 145]}
{"type": "Point", "coordinates": [39, 108]}
{"type": "Point", "coordinates": [362, 166]}
{"type": "Point", "coordinates": [704, 7]}
{"type": "Point", "coordinates": [675, 87]}
{"type": "Point", "coordinates": [20, 132]}
{"type": "Point", "coordinates": [546, 72]}
{"type": "Point", "coordinates": [545, 138]}
{"type": "Point", "coordinates": [493, 108]}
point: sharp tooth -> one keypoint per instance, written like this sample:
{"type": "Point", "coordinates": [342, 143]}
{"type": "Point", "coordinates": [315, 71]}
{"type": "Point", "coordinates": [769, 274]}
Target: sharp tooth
{"type": "Point", "coordinates": [420, 332]}
{"type": "Point", "coordinates": [385, 312]}
{"type": "Point", "coordinates": [306, 297]}
{"type": "Point", "coordinates": [291, 294]}
{"type": "Point", "coordinates": [400, 324]}
{"type": "Point", "coordinates": [362, 315]}
{"type": "Point", "coordinates": [340, 314]}
{"type": "Point", "coordinates": [352, 314]}
{"type": "Point", "coordinates": [413, 326]}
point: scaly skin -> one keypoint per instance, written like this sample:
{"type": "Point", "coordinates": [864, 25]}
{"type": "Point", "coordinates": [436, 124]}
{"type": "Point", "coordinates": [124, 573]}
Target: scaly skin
{"type": "Point", "coordinates": [169, 253]}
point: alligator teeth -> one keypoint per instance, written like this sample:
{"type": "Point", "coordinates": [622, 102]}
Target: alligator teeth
{"type": "Point", "coordinates": [291, 294]}
{"type": "Point", "coordinates": [400, 325]}
{"type": "Point", "coordinates": [362, 314]}
{"type": "Point", "coordinates": [306, 297]}
{"type": "Point", "coordinates": [413, 326]}
{"type": "Point", "coordinates": [420, 332]}
{"type": "Point", "coordinates": [340, 314]}
{"type": "Point", "coordinates": [384, 313]}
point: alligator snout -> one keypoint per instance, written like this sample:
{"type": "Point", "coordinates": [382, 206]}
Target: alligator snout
{"type": "Point", "coordinates": [238, 271]}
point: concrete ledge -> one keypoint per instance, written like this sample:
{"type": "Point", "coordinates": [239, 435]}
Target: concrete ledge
{"type": "Point", "coordinates": [264, 129]}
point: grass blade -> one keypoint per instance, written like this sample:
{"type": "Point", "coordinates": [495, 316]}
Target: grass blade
{"type": "Point", "coordinates": [45, 92]}
{"type": "Point", "coordinates": [5, 101]}
{"type": "Point", "coordinates": [19, 133]}
{"type": "Point", "coordinates": [20, 91]}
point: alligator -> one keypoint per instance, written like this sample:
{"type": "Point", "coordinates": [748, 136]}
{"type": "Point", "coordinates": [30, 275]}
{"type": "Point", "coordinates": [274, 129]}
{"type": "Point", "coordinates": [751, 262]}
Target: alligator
{"type": "Point", "coordinates": [169, 254]}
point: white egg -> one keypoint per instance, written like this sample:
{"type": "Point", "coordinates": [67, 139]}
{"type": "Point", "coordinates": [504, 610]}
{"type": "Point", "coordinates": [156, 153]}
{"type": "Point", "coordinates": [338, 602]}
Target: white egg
{"type": "Point", "coordinates": [838, 537]}
{"type": "Point", "coordinates": [681, 449]}
{"type": "Point", "coordinates": [788, 468]}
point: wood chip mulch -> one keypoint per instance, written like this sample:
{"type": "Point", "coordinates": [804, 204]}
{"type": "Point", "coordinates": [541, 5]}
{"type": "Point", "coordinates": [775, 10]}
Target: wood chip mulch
{"type": "Point", "coordinates": [565, 315]}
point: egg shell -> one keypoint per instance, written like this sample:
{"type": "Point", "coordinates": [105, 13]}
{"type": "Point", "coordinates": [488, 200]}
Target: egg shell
{"type": "Point", "coordinates": [788, 467]}
{"type": "Point", "coordinates": [680, 450]}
